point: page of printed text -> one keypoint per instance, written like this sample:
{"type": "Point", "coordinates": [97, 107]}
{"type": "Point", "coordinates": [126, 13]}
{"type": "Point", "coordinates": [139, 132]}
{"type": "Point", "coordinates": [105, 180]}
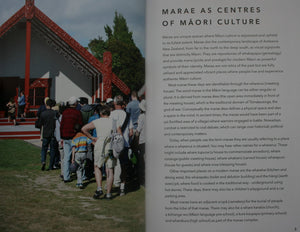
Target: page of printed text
{"type": "Point", "coordinates": [223, 110]}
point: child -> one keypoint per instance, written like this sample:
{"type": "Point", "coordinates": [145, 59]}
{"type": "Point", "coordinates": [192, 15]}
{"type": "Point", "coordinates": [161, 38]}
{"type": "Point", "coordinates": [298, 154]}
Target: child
{"type": "Point", "coordinates": [79, 152]}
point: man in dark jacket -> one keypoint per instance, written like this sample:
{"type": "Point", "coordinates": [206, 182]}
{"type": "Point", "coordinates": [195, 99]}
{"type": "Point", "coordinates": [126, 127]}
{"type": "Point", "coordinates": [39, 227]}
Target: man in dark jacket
{"type": "Point", "coordinates": [47, 123]}
{"type": "Point", "coordinates": [86, 110]}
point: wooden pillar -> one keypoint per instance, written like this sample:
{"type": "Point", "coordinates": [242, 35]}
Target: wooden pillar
{"type": "Point", "coordinates": [29, 14]}
{"type": "Point", "coordinates": [93, 90]}
{"type": "Point", "coordinates": [27, 59]}
{"type": "Point", "coordinates": [106, 88]}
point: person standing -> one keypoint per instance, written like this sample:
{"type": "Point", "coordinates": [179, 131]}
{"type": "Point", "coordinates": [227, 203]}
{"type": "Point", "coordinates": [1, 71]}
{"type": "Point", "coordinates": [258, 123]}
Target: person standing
{"type": "Point", "coordinates": [86, 110]}
{"type": "Point", "coordinates": [133, 109]}
{"type": "Point", "coordinates": [103, 127]}
{"type": "Point", "coordinates": [59, 142]}
{"type": "Point", "coordinates": [89, 170]}
{"type": "Point", "coordinates": [70, 117]}
{"type": "Point", "coordinates": [11, 105]}
{"type": "Point", "coordinates": [21, 106]}
{"type": "Point", "coordinates": [140, 133]}
{"type": "Point", "coordinates": [123, 125]}
{"type": "Point", "coordinates": [48, 122]}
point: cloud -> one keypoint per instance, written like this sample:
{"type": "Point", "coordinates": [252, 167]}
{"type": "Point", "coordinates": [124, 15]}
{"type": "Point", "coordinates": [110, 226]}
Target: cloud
{"type": "Point", "coordinates": [85, 20]}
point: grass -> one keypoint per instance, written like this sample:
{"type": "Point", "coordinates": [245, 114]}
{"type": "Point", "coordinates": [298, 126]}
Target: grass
{"type": "Point", "coordinates": [32, 200]}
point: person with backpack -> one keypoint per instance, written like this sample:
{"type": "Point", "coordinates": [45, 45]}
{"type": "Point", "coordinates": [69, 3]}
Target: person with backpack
{"type": "Point", "coordinates": [102, 151]}
{"type": "Point", "coordinates": [123, 126]}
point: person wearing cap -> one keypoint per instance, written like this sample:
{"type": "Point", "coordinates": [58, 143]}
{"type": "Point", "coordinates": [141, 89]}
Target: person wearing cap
{"type": "Point", "coordinates": [109, 100]}
{"type": "Point", "coordinates": [110, 103]}
{"type": "Point", "coordinates": [70, 117]}
{"type": "Point", "coordinates": [124, 127]}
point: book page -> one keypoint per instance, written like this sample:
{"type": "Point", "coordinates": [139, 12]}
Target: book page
{"type": "Point", "coordinates": [223, 113]}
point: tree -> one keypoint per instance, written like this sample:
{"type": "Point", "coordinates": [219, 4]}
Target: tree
{"type": "Point", "coordinates": [128, 62]}
{"type": "Point", "coordinates": [97, 47]}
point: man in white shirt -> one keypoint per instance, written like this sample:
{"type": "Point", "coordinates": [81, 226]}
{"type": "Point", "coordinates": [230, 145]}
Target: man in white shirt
{"type": "Point", "coordinates": [123, 125]}
{"type": "Point", "coordinates": [103, 126]}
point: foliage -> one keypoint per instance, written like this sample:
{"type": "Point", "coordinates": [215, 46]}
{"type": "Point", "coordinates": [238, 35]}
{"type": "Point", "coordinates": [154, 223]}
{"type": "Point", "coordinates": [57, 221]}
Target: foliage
{"type": "Point", "coordinates": [128, 62]}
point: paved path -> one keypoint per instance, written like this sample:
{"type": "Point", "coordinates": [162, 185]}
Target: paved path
{"type": "Point", "coordinates": [18, 128]}
{"type": "Point", "coordinates": [35, 142]}
{"type": "Point", "coordinates": [20, 132]}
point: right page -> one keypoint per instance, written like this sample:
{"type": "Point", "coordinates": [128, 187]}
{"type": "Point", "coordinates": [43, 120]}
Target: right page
{"type": "Point", "coordinates": [223, 110]}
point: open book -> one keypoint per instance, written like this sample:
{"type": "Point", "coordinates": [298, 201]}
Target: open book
{"type": "Point", "coordinates": [223, 131]}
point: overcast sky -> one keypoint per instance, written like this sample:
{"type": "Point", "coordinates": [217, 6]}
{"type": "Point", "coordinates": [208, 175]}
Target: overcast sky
{"type": "Point", "coordinates": [84, 20]}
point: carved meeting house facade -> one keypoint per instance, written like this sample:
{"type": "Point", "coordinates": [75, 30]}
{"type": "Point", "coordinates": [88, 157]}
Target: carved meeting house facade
{"type": "Point", "coordinates": [40, 58]}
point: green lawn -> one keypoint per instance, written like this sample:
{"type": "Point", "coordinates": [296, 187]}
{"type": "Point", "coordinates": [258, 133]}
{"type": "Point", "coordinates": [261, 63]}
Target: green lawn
{"type": "Point", "coordinates": [32, 200]}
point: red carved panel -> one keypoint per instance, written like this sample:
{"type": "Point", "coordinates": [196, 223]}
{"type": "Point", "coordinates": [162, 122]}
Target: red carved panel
{"type": "Point", "coordinates": [40, 83]}
{"type": "Point", "coordinates": [68, 39]}
{"type": "Point", "coordinates": [110, 77]}
{"type": "Point", "coordinates": [120, 84]}
{"type": "Point", "coordinates": [29, 9]}
{"type": "Point", "coordinates": [107, 88]}
{"type": "Point", "coordinates": [104, 68]}
{"type": "Point", "coordinates": [27, 105]}
{"type": "Point", "coordinates": [12, 21]}
{"type": "Point", "coordinates": [107, 60]}
{"type": "Point", "coordinates": [107, 75]}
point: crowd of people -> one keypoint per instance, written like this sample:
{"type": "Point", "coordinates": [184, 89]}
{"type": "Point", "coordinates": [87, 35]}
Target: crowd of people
{"type": "Point", "coordinates": [79, 135]}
